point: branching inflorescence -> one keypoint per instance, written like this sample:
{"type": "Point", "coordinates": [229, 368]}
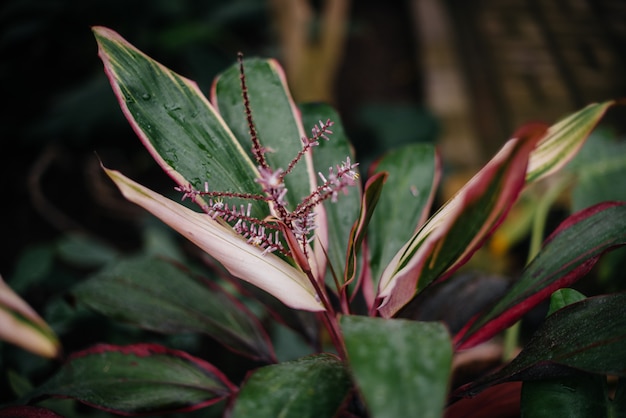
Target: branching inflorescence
{"type": "Point", "coordinates": [301, 222]}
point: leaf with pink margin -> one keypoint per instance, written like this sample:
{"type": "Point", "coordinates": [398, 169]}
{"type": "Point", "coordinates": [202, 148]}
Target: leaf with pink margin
{"type": "Point", "coordinates": [137, 379]}
{"type": "Point", "coordinates": [22, 326]}
{"type": "Point", "coordinates": [450, 237]}
{"type": "Point", "coordinates": [25, 411]}
{"type": "Point", "coordinates": [587, 335]}
{"type": "Point", "coordinates": [244, 261]}
{"type": "Point", "coordinates": [568, 254]}
{"type": "Point", "coordinates": [176, 123]}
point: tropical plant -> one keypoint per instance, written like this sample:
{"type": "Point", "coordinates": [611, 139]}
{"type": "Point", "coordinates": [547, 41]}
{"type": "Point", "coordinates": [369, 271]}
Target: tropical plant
{"type": "Point", "coordinates": [293, 236]}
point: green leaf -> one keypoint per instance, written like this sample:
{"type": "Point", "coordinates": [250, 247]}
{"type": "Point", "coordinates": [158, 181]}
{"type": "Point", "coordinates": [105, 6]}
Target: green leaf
{"type": "Point", "coordinates": [460, 227]}
{"type": "Point", "coordinates": [405, 201]}
{"type": "Point", "coordinates": [137, 379]}
{"type": "Point", "coordinates": [175, 122]}
{"type": "Point", "coordinates": [567, 255]}
{"type": "Point", "coordinates": [340, 215]}
{"type": "Point", "coordinates": [401, 367]}
{"type": "Point", "coordinates": [159, 296]}
{"type": "Point", "coordinates": [85, 251]}
{"type": "Point", "coordinates": [275, 116]}
{"type": "Point", "coordinates": [563, 140]}
{"type": "Point", "coordinates": [313, 386]}
{"type": "Point", "coordinates": [588, 335]}
{"type": "Point", "coordinates": [600, 170]}
{"type": "Point", "coordinates": [563, 297]}
{"type": "Point", "coordinates": [580, 396]}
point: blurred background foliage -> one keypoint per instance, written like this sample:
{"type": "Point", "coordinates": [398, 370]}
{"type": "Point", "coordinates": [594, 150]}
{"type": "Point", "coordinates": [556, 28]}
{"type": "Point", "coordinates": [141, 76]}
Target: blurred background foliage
{"type": "Point", "coordinates": [62, 220]}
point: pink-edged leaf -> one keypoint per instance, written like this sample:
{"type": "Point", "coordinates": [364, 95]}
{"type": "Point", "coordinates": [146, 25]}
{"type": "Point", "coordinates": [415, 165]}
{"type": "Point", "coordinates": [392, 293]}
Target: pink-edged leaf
{"type": "Point", "coordinates": [567, 255]}
{"type": "Point", "coordinates": [25, 411]}
{"type": "Point", "coordinates": [22, 326]}
{"type": "Point", "coordinates": [563, 140]}
{"type": "Point", "coordinates": [588, 335]}
{"type": "Point", "coordinates": [461, 226]}
{"type": "Point", "coordinates": [242, 260]}
{"type": "Point", "coordinates": [175, 122]}
{"type": "Point", "coordinates": [137, 379]}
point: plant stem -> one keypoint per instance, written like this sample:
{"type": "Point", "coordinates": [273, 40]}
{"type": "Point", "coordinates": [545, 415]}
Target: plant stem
{"type": "Point", "coordinates": [329, 317]}
{"type": "Point", "coordinates": [511, 336]}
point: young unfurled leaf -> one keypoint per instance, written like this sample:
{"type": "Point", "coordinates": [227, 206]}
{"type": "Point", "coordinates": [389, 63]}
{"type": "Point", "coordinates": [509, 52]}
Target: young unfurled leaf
{"type": "Point", "coordinates": [563, 140]}
{"type": "Point", "coordinates": [460, 227]}
{"type": "Point", "coordinates": [137, 379]}
{"type": "Point", "coordinates": [22, 326]}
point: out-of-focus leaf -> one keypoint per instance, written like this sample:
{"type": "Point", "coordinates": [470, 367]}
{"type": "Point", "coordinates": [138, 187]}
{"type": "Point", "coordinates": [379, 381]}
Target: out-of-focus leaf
{"type": "Point", "coordinates": [563, 140]}
{"type": "Point", "coordinates": [580, 395]}
{"type": "Point", "coordinates": [32, 266]}
{"type": "Point", "coordinates": [313, 386]}
{"type": "Point", "coordinates": [84, 251]}
{"type": "Point", "coordinates": [24, 411]}
{"type": "Point", "coordinates": [405, 201]}
{"type": "Point", "coordinates": [588, 335]}
{"type": "Point", "coordinates": [22, 326]}
{"type": "Point", "coordinates": [600, 170]}
{"type": "Point", "coordinates": [242, 260]}
{"type": "Point", "coordinates": [401, 367]}
{"type": "Point", "coordinates": [340, 215]}
{"type": "Point", "coordinates": [137, 379]}
{"type": "Point", "coordinates": [563, 297]}
{"type": "Point", "coordinates": [157, 295]}
{"type": "Point", "coordinates": [175, 122]}
{"type": "Point", "coordinates": [450, 237]}
{"type": "Point", "coordinates": [567, 255]}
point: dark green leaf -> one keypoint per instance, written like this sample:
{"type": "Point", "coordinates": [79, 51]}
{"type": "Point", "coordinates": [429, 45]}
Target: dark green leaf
{"type": "Point", "coordinates": [579, 396]}
{"type": "Point", "coordinates": [401, 367]}
{"type": "Point", "coordinates": [340, 215]}
{"type": "Point", "coordinates": [157, 295]}
{"type": "Point", "coordinates": [137, 379]}
{"type": "Point", "coordinates": [588, 335]}
{"type": "Point", "coordinates": [175, 122]}
{"type": "Point", "coordinates": [277, 123]}
{"type": "Point", "coordinates": [404, 203]}
{"type": "Point", "coordinates": [568, 254]}
{"type": "Point", "coordinates": [313, 386]}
